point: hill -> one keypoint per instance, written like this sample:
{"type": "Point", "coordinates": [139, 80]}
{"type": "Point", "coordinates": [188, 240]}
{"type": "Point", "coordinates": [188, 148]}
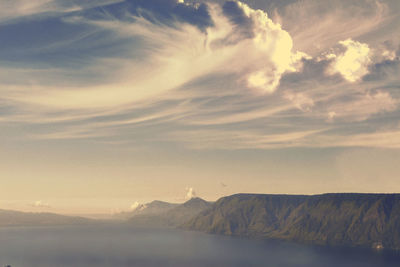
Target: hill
{"type": "Point", "coordinates": [152, 208]}
{"type": "Point", "coordinates": [17, 218]}
{"type": "Point", "coordinates": [371, 220]}
{"type": "Point", "coordinates": [174, 215]}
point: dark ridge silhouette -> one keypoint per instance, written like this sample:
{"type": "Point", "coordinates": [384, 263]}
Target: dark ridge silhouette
{"type": "Point", "coordinates": [346, 219]}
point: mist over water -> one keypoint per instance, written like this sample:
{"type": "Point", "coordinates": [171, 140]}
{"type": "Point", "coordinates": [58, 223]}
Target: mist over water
{"type": "Point", "coordinates": [116, 245]}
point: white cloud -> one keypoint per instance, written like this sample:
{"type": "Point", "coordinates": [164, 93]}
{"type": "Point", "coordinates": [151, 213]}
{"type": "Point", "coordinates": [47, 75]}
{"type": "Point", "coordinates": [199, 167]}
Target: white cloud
{"type": "Point", "coordinates": [135, 205]}
{"type": "Point", "coordinates": [274, 46]}
{"type": "Point", "coordinates": [389, 54]}
{"type": "Point", "coordinates": [264, 81]}
{"type": "Point", "coordinates": [353, 63]}
{"type": "Point", "coordinates": [40, 204]}
{"type": "Point", "coordinates": [190, 193]}
{"type": "Point", "coordinates": [331, 115]}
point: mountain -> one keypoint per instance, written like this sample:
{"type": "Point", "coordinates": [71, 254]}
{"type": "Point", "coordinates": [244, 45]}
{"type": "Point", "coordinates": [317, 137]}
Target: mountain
{"type": "Point", "coordinates": [17, 218]}
{"type": "Point", "coordinates": [371, 220]}
{"type": "Point", "coordinates": [186, 211]}
{"type": "Point", "coordinates": [152, 208]}
{"type": "Point", "coordinates": [171, 215]}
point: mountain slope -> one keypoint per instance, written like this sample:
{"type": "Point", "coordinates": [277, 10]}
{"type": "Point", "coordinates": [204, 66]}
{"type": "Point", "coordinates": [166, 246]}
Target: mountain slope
{"type": "Point", "coordinates": [172, 217]}
{"type": "Point", "coordinates": [335, 219]}
{"type": "Point", "coordinates": [152, 208]}
{"type": "Point", "coordinates": [17, 218]}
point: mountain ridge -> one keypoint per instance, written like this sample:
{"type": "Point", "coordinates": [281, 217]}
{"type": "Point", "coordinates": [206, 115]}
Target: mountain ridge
{"type": "Point", "coordinates": [173, 216]}
{"type": "Point", "coordinates": [20, 218]}
{"type": "Point", "coordinates": [350, 219]}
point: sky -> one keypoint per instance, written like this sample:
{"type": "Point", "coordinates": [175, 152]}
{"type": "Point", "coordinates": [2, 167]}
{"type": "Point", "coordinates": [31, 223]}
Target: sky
{"type": "Point", "coordinates": [106, 104]}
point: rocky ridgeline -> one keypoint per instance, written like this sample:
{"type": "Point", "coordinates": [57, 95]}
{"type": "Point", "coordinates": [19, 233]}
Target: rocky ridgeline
{"type": "Point", "coordinates": [371, 220]}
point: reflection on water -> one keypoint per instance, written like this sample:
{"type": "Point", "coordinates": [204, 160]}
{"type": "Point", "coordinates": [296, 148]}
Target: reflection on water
{"type": "Point", "coordinates": [116, 246]}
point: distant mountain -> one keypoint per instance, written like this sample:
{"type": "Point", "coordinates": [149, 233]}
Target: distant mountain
{"type": "Point", "coordinates": [168, 214]}
{"type": "Point", "coordinates": [17, 218]}
{"type": "Point", "coordinates": [371, 220]}
{"type": "Point", "coordinates": [152, 208]}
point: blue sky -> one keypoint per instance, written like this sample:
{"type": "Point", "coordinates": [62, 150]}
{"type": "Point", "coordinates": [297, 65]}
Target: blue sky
{"type": "Point", "coordinates": [111, 102]}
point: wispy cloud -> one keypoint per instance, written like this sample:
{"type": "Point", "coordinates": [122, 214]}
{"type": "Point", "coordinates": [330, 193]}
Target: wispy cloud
{"type": "Point", "coordinates": [208, 76]}
{"type": "Point", "coordinates": [300, 100]}
{"type": "Point", "coordinates": [232, 140]}
{"type": "Point", "coordinates": [21, 8]}
{"type": "Point", "coordinates": [316, 26]}
{"type": "Point", "coordinates": [178, 60]}
{"type": "Point", "coordinates": [363, 106]}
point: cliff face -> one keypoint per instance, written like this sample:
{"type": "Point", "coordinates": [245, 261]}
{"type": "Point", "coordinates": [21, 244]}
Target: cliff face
{"type": "Point", "coordinates": [335, 219]}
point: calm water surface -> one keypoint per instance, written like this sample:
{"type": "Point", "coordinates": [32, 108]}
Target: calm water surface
{"type": "Point", "coordinates": [84, 246]}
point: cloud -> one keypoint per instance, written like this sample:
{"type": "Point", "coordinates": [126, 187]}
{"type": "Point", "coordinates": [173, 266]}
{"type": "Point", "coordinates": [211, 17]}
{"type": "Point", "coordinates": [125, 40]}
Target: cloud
{"type": "Point", "coordinates": [243, 25]}
{"type": "Point", "coordinates": [161, 12]}
{"type": "Point", "coordinates": [205, 76]}
{"type": "Point", "coordinates": [353, 63]}
{"type": "Point", "coordinates": [386, 70]}
{"type": "Point", "coordinates": [137, 206]}
{"type": "Point", "coordinates": [176, 55]}
{"type": "Point", "coordinates": [362, 106]}
{"type": "Point", "coordinates": [235, 140]}
{"type": "Point", "coordinates": [380, 139]}
{"type": "Point", "coordinates": [274, 46]}
{"type": "Point", "coordinates": [183, 54]}
{"type": "Point", "coordinates": [317, 26]}
{"type": "Point", "coordinates": [40, 204]}
{"type": "Point", "coordinates": [16, 9]}
{"type": "Point", "coordinates": [300, 100]}
{"type": "Point", "coordinates": [190, 193]}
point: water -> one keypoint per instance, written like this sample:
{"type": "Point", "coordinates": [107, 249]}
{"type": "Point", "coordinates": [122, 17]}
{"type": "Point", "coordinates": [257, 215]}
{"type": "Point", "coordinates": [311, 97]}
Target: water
{"type": "Point", "coordinates": [117, 246]}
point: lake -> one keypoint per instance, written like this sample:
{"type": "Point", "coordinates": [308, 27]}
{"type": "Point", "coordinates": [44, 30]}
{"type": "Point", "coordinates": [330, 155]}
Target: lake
{"type": "Point", "coordinates": [116, 245]}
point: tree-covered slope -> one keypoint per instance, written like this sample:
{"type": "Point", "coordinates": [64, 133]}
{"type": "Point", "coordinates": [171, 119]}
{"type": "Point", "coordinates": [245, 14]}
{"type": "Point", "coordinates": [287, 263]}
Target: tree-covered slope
{"type": "Point", "coordinates": [335, 219]}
